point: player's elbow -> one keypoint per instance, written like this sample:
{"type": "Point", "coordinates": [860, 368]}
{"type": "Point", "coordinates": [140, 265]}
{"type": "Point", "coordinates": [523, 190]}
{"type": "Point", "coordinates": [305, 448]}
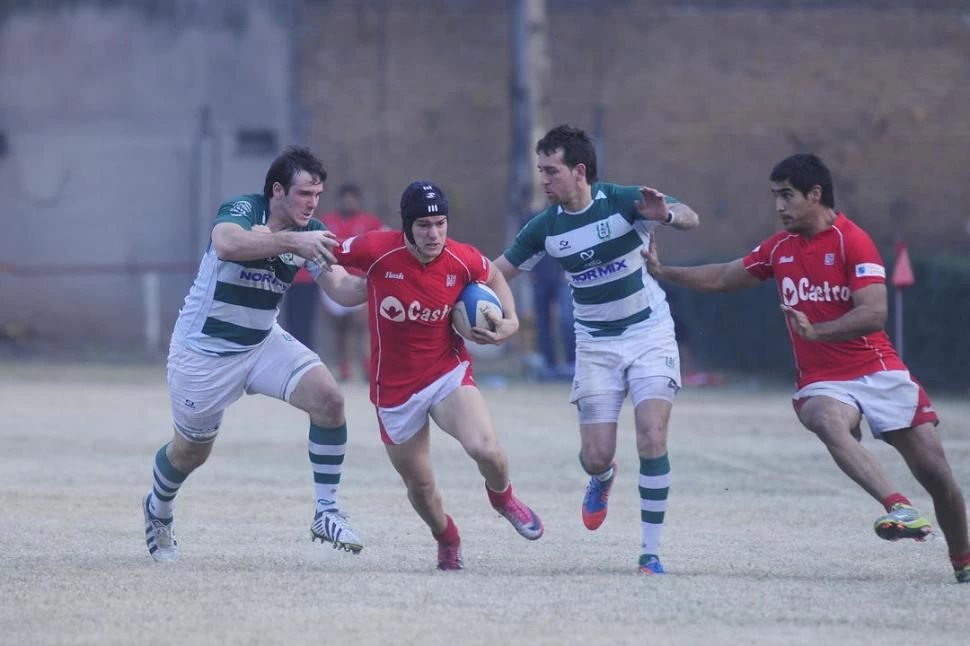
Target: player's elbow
{"type": "Point", "coordinates": [690, 220]}
{"type": "Point", "coordinates": [225, 244]}
{"type": "Point", "coordinates": [224, 250]}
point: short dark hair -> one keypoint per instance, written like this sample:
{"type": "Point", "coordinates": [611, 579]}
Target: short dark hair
{"type": "Point", "coordinates": [804, 172]}
{"type": "Point", "coordinates": [349, 188]}
{"type": "Point", "coordinates": [577, 148]}
{"type": "Point", "coordinates": [290, 162]}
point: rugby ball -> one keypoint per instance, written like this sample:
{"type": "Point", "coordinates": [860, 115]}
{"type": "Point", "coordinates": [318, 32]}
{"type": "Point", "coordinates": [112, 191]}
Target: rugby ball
{"type": "Point", "coordinates": [475, 299]}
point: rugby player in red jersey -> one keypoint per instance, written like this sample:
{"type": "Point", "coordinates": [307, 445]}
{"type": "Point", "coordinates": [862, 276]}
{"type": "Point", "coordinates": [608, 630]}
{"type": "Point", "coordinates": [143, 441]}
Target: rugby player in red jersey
{"type": "Point", "coordinates": [420, 368]}
{"type": "Point", "coordinates": [832, 284]}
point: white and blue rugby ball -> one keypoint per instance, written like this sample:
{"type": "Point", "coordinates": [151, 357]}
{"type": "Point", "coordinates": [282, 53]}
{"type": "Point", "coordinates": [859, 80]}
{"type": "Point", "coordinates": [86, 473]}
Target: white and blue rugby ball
{"type": "Point", "coordinates": [475, 299]}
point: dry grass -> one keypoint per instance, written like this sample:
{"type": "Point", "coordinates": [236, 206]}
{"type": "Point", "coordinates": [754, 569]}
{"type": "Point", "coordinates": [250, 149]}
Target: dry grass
{"type": "Point", "coordinates": [766, 542]}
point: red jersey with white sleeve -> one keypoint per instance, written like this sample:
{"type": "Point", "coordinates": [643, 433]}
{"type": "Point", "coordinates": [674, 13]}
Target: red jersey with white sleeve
{"type": "Point", "coordinates": [817, 277]}
{"type": "Point", "coordinates": [409, 308]}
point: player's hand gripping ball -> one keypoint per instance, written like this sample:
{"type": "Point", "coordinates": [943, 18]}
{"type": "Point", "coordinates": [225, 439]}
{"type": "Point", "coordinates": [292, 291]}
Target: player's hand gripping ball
{"type": "Point", "coordinates": [475, 299]}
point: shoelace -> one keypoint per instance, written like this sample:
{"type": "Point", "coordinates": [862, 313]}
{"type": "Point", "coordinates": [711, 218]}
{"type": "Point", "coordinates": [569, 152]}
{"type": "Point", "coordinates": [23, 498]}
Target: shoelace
{"type": "Point", "coordinates": [519, 511]}
{"type": "Point", "coordinates": [450, 554]}
{"type": "Point", "coordinates": [904, 512]}
{"type": "Point", "coordinates": [163, 530]}
{"type": "Point", "coordinates": [596, 489]}
{"type": "Point", "coordinates": [331, 512]}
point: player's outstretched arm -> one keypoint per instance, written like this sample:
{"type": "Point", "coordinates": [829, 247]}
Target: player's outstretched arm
{"type": "Point", "coordinates": [720, 277]}
{"type": "Point", "coordinates": [504, 327]}
{"type": "Point", "coordinates": [343, 287]}
{"type": "Point", "coordinates": [234, 243]}
{"type": "Point", "coordinates": [652, 206]}
{"type": "Point", "coordinates": [506, 268]}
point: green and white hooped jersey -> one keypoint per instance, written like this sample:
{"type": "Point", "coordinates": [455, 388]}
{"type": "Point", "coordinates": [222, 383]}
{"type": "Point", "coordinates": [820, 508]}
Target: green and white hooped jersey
{"type": "Point", "coordinates": [232, 306]}
{"type": "Point", "coordinates": [599, 248]}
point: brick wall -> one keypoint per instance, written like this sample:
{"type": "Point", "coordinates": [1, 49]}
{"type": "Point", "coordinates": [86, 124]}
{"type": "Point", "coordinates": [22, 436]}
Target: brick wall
{"type": "Point", "coordinates": [698, 102]}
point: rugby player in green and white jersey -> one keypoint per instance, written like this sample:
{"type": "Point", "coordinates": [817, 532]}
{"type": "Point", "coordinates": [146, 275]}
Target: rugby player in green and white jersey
{"type": "Point", "coordinates": [624, 331]}
{"type": "Point", "coordinates": [227, 343]}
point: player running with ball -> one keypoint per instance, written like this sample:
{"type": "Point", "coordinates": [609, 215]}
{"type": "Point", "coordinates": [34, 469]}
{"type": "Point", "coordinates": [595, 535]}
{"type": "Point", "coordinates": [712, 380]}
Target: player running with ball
{"type": "Point", "coordinates": [420, 368]}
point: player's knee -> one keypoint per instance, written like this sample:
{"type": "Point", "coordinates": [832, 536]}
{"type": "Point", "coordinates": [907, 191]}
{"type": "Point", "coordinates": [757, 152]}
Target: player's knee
{"type": "Point", "coordinates": [595, 459]}
{"type": "Point", "coordinates": [188, 456]}
{"type": "Point", "coordinates": [652, 440]}
{"type": "Point", "coordinates": [487, 451]}
{"type": "Point", "coordinates": [326, 406]}
{"type": "Point", "coordinates": [828, 431]}
{"type": "Point", "coordinates": [420, 489]}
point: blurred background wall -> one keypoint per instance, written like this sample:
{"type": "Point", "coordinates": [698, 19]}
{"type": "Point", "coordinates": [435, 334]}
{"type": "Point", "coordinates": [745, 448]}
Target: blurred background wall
{"type": "Point", "coordinates": [123, 124]}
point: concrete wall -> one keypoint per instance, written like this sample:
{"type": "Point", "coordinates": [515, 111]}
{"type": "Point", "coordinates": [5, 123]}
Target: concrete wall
{"type": "Point", "coordinates": [121, 129]}
{"type": "Point", "coordinates": [121, 118]}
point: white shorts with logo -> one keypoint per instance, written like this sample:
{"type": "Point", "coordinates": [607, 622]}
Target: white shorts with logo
{"type": "Point", "coordinates": [889, 400]}
{"type": "Point", "coordinates": [400, 423]}
{"type": "Point", "coordinates": [606, 365]}
{"type": "Point", "coordinates": [202, 386]}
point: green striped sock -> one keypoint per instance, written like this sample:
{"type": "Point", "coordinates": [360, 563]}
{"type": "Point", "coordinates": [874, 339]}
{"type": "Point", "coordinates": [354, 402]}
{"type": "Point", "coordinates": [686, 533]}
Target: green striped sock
{"type": "Point", "coordinates": [654, 488]}
{"type": "Point", "coordinates": [166, 481]}
{"type": "Point", "coordinates": [327, 447]}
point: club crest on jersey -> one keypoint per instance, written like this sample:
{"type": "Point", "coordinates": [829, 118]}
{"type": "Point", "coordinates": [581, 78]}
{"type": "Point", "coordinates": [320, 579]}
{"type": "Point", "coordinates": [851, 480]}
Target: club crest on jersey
{"type": "Point", "coordinates": [450, 280]}
{"type": "Point", "coordinates": [292, 259]}
{"type": "Point", "coordinates": [603, 230]}
{"type": "Point", "coordinates": [241, 209]}
{"type": "Point", "coordinates": [829, 259]}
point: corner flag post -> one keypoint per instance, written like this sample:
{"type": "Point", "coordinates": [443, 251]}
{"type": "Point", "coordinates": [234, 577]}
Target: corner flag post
{"type": "Point", "coordinates": [902, 278]}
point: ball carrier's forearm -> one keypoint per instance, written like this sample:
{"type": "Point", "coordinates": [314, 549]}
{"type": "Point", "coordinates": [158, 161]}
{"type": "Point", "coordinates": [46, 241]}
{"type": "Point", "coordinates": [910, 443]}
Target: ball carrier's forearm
{"type": "Point", "coordinates": [344, 288]}
{"type": "Point", "coordinates": [496, 280]}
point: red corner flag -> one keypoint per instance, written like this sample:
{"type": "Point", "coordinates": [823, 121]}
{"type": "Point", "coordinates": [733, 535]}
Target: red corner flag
{"type": "Point", "coordinates": [903, 271]}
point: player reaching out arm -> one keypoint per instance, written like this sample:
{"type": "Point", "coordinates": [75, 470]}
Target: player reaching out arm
{"type": "Point", "coordinates": [831, 281]}
{"type": "Point", "coordinates": [227, 343]}
{"type": "Point", "coordinates": [348, 323]}
{"type": "Point", "coordinates": [343, 287]}
{"type": "Point", "coordinates": [625, 338]}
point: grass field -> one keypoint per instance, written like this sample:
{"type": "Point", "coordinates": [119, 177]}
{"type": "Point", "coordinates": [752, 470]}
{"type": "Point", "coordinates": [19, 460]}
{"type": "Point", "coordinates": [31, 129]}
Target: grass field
{"type": "Point", "coordinates": [766, 541]}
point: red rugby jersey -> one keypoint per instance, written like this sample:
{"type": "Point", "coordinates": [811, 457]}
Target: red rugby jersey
{"type": "Point", "coordinates": [817, 277]}
{"type": "Point", "coordinates": [409, 310]}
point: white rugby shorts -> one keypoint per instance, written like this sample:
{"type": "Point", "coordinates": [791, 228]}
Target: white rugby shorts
{"type": "Point", "coordinates": [889, 400]}
{"type": "Point", "coordinates": [202, 386]}
{"type": "Point", "coordinates": [400, 423]}
{"type": "Point", "coordinates": [607, 364]}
